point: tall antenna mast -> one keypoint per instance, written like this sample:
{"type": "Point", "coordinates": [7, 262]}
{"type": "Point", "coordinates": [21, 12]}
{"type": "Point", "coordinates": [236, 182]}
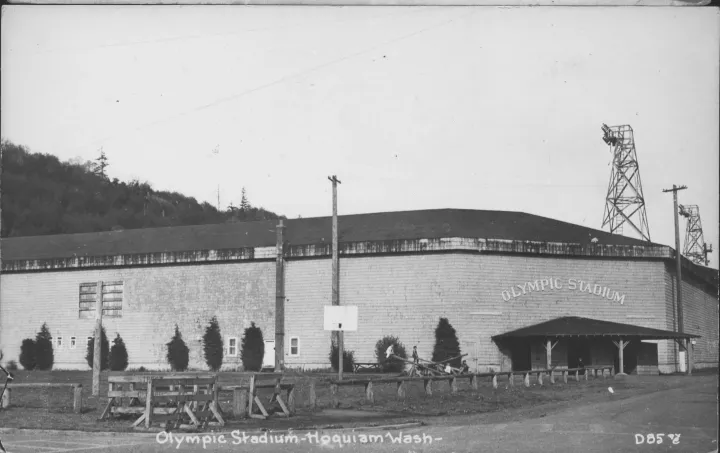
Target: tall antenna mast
{"type": "Point", "coordinates": [695, 247]}
{"type": "Point", "coordinates": [624, 204]}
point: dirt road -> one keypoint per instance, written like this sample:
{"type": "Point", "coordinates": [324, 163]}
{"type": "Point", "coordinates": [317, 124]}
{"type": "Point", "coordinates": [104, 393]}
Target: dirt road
{"type": "Point", "coordinates": [686, 417]}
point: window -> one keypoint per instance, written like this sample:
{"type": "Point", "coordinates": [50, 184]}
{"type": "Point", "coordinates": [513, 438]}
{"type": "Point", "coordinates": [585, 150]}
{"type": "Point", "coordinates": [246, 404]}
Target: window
{"type": "Point", "coordinates": [294, 346]}
{"type": "Point", "coordinates": [232, 346]}
{"type": "Point", "coordinates": [73, 342]}
{"type": "Point", "coordinates": [59, 341]}
{"type": "Point", "coordinates": [112, 299]}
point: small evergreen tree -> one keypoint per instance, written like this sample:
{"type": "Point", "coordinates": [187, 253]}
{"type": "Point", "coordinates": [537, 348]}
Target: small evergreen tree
{"type": "Point", "coordinates": [118, 355]}
{"type": "Point", "coordinates": [348, 358]}
{"type": "Point", "coordinates": [390, 366]}
{"type": "Point", "coordinates": [104, 350]}
{"type": "Point", "coordinates": [253, 348]}
{"type": "Point", "coordinates": [213, 345]}
{"type": "Point", "coordinates": [244, 203]}
{"type": "Point", "coordinates": [45, 357]}
{"type": "Point", "coordinates": [446, 344]}
{"type": "Point", "coordinates": [178, 354]}
{"type": "Point", "coordinates": [28, 359]}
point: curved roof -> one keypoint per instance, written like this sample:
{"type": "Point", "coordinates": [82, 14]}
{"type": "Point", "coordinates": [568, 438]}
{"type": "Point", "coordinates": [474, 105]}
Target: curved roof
{"type": "Point", "coordinates": [427, 224]}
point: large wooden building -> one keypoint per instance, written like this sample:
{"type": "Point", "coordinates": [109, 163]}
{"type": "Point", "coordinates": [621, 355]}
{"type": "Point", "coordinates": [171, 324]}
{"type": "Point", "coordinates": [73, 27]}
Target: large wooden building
{"type": "Point", "coordinates": [492, 274]}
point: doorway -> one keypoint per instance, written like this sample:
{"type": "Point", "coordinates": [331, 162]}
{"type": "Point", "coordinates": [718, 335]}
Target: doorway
{"type": "Point", "coordinates": [521, 356]}
{"type": "Point", "coordinates": [578, 353]}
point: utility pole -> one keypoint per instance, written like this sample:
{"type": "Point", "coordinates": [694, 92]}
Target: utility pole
{"type": "Point", "coordinates": [97, 364]}
{"type": "Point", "coordinates": [678, 262]}
{"type": "Point", "coordinates": [336, 337]}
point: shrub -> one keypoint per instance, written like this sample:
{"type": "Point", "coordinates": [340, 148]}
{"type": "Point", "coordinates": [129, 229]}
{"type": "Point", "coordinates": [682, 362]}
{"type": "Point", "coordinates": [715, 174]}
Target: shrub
{"type": "Point", "coordinates": [12, 365]}
{"type": "Point", "coordinates": [118, 355]}
{"type": "Point", "coordinates": [28, 359]}
{"type": "Point", "coordinates": [253, 348]}
{"type": "Point", "coordinates": [44, 355]}
{"type": "Point", "coordinates": [390, 366]}
{"type": "Point", "coordinates": [348, 358]}
{"type": "Point", "coordinates": [104, 350]}
{"type": "Point", "coordinates": [178, 354]}
{"type": "Point", "coordinates": [213, 345]}
{"type": "Point", "coordinates": [446, 344]}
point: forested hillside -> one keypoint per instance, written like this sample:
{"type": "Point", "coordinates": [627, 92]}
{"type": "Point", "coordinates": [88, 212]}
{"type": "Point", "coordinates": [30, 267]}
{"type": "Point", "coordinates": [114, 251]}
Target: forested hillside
{"type": "Point", "coordinates": [42, 195]}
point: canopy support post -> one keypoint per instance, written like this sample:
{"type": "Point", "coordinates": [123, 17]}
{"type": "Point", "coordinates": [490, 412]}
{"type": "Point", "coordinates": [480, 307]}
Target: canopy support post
{"type": "Point", "coordinates": [621, 345]}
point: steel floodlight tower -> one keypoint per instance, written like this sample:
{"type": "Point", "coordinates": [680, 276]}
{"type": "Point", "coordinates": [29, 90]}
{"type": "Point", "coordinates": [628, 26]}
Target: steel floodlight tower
{"type": "Point", "coordinates": [696, 249]}
{"type": "Point", "coordinates": [624, 204]}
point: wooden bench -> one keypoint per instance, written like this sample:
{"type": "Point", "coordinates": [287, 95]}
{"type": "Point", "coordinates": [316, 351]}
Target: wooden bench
{"type": "Point", "coordinates": [358, 366]}
{"type": "Point", "coordinates": [77, 393]}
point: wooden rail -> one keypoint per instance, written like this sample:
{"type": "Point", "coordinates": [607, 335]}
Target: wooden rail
{"type": "Point", "coordinates": [428, 380]}
{"type": "Point", "coordinates": [77, 393]}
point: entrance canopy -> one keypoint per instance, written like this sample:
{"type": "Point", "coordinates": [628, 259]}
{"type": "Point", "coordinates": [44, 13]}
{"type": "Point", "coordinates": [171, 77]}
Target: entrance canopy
{"type": "Point", "coordinates": [574, 326]}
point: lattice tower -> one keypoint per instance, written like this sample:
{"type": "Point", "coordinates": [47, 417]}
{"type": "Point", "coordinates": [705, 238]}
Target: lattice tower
{"type": "Point", "coordinates": [624, 204]}
{"type": "Point", "coordinates": [695, 247]}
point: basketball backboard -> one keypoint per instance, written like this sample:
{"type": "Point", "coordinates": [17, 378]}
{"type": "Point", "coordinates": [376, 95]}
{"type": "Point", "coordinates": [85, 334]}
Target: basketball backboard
{"type": "Point", "coordinates": [342, 317]}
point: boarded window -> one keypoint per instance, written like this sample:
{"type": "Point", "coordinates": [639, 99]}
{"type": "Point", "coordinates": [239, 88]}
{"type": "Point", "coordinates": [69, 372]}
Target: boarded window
{"type": "Point", "coordinates": [294, 346]}
{"type": "Point", "coordinates": [112, 299]}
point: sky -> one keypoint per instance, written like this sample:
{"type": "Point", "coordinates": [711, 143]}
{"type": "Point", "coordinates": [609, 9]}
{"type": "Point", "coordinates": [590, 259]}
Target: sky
{"type": "Point", "coordinates": [492, 108]}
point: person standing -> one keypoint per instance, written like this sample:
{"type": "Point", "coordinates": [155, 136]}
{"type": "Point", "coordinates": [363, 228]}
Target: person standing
{"type": "Point", "coordinates": [415, 356]}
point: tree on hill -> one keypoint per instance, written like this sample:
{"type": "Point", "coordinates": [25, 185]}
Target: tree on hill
{"type": "Point", "coordinates": [101, 165]}
{"type": "Point", "coordinates": [213, 345]}
{"type": "Point", "coordinates": [42, 195]}
{"type": "Point", "coordinates": [244, 203]}
{"type": "Point", "coordinates": [446, 344]}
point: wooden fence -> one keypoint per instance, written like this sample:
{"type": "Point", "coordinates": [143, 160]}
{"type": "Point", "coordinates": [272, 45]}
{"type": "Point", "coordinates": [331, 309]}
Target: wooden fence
{"type": "Point", "coordinates": [453, 379]}
{"type": "Point", "coordinates": [77, 393]}
{"type": "Point", "coordinates": [189, 401]}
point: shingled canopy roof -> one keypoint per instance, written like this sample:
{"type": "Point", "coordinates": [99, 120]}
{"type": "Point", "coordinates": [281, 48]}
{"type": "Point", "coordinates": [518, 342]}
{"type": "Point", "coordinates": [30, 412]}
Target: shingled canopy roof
{"type": "Point", "coordinates": [426, 224]}
{"type": "Point", "coordinates": [574, 326]}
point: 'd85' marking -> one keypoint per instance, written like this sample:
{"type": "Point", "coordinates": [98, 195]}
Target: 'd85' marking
{"type": "Point", "coordinates": [659, 438]}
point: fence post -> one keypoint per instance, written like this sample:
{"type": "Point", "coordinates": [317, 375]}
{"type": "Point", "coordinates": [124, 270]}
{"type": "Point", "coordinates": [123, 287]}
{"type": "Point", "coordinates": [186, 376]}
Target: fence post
{"type": "Point", "coordinates": [148, 402]}
{"type": "Point", "coordinates": [494, 381]}
{"type": "Point", "coordinates": [526, 380]}
{"type": "Point", "coordinates": [251, 395]}
{"type": "Point", "coordinates": [369, 397]}
{"type": "Point", "coordinates": [612, 371]}
{"type": "Point", "coordinates": [291, 399]}
{"type": "Point", "coordinates": [565, 373]}
{"type": "Point", "coordinates": [552, 377]}
{"type": "Point", "coordinates": [453, 385]}
{"type": "Point", "coordinates": [540, 378]}
{"type": "Point", "coordinates": [77, 400]}
{"type": "Point", "coordinates": [334, 392]}
{"type": "Point", "coordinates": [428, 387]}
{"type": "Point", "coordinates": [313, 396]}
{"type": "Point", "coordinates": [586, 374]}
{"type": "Point", "coordinates": [239, 402]}
{"type": "Point", "coordinates": [511, 378]}
{"type": "Point", "coordinates": [6, 399]}
{"type": "Point", "coordinates": [473, 382]}
{"type": "Point", "coordinates": [400, 389]}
